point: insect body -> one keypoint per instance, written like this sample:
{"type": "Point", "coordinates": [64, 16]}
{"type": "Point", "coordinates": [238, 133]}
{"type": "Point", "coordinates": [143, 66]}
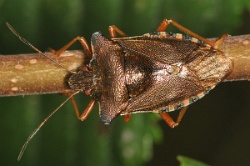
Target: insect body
{"type": "Point", "coordinates": [157, 72]}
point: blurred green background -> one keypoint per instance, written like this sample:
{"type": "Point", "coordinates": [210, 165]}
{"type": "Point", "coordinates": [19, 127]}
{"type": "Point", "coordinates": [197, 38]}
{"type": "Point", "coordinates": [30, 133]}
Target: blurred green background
{"type": "Point", "coordinates": [215, 129]}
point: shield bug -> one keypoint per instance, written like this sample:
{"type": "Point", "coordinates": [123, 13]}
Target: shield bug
{"type": "Point", "coordinates": [157, 72]}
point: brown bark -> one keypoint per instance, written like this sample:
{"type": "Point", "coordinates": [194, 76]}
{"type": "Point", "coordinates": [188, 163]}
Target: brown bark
{"type": "Point", "coordinates": [237, 48]}
{"type": "Point", "coordinates": [26, 74]}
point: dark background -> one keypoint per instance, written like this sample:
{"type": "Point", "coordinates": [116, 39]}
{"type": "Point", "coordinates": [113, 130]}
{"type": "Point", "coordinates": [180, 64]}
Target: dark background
{"type": "Point", "coordinates": [215, 129]}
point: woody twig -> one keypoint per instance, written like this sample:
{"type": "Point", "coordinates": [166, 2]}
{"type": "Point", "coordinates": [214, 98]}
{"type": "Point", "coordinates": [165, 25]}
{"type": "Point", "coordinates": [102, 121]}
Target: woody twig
{"type": "Point", "coordinates": [27, 74]}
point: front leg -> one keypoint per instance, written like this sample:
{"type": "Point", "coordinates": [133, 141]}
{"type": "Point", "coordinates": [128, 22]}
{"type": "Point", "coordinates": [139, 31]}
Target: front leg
{"type": "Point", "coordinates": [83, 42]}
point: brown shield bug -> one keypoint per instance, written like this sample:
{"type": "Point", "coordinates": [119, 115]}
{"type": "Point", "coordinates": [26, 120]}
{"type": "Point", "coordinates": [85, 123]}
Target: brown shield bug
{"type": "Point", "coordinates": [157, 72]}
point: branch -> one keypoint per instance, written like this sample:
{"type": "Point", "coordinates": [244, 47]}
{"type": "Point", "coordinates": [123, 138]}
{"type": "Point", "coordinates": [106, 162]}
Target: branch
{"type": "Point", "coordinates": [27, 74]}
{"type": "Point", "coordinates": [237, 48]}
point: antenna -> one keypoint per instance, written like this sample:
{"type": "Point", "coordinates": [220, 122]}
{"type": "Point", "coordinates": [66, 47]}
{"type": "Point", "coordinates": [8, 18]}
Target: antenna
{"type": "Point", "coordinates": [25, 41]}
{"type": "Point", "coordinates": [40, 125]}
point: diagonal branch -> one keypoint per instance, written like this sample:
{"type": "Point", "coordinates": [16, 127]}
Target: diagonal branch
{"type": "Point", "coordinates": [27, 74]}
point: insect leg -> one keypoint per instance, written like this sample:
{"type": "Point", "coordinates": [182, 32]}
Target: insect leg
{"type": "Point", "coordinates": [127, 117]}
{"type": "Point", "coordinates": [164, 24]}
{"type": "Point", "coordinates": [113, 30]}
{"type": "Point", "coordinates": [169, 120]}
{"type": "Point", "coordinates": [220, 40]}
{"type": "Point", "coordinates": [181, 114]}
{"type": "Point", "coordinates": [83, 42]}
{"type": "Point", "coordinates": [86, 111]}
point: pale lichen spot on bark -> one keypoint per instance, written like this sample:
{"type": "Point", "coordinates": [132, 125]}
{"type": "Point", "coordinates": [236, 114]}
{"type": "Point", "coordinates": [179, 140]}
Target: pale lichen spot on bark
{"type": "Point", "coordinates": [14, 88]}
{"type": "Point", "coordinates": [33, 61]}
{"type": "Point", "coordinates": [19, 67]}
{"type": "Point", "coordinates": [13, 80]}
{"type": "Point", "coordinates": [245, 42]}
